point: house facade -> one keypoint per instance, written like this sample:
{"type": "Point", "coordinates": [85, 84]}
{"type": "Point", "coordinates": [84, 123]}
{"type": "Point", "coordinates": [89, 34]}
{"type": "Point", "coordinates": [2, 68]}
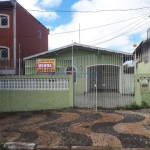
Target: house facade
{"type": "Point", "coordinates": [21, 35]}
{"type": "Point", "coordinates": [142, 76]}
{"type": "Point", "coordinates": [98, 73]}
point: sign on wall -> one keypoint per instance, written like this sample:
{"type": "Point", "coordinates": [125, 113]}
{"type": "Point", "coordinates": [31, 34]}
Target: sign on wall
{"type": "Point", "coordinates": [45, 66]}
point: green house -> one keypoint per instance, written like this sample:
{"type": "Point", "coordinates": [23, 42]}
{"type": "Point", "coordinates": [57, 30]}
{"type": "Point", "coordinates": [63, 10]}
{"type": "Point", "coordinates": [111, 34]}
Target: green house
{"type": "Point", "coordinates": [98, 73]}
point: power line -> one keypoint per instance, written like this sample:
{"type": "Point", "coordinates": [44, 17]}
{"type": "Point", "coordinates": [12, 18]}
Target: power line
{"type": "Point", "coordinates": [115, 31]}
{"type": "Point", "coordinates": [88, 11]}
{"type": "Point", "coordinates": [118, 35]}
{"type": "Point", "coordinates": [128, 31]}
{"type": "Point", "coordinates": [98, 26]}
{"type": "Point", "coordinates": [76, 30]}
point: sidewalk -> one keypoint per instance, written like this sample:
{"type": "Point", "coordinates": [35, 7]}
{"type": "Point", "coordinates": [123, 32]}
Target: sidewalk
{"type": "Point", "coordinates": [78, 127]}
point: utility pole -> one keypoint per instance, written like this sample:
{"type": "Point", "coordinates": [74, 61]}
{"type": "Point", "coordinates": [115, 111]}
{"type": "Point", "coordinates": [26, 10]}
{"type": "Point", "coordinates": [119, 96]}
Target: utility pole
{"type": "Point", "coordinates": [72, 57]}
{"type": "Point", "coordinates": [19, 58]}
{"type": "Point", "coordinates": [134, 45]}
{"type": "Point", "coordinates": [79, 33]}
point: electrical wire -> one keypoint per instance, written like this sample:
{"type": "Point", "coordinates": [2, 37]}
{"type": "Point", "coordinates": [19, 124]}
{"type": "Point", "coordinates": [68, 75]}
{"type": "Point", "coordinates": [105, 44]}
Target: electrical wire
{"type": "Point", "coordinates": [115, 31]}
{"type": "Point", "coordinates": [98, 26]}
{"type": "Point", "coordinates": [118, 35]}
{"type": "Point", "coordinates": [88, 11]}
{"type": "Point", "coordinates": [128, 31]}
{"type": "Point", "coordinates": [76, 30]}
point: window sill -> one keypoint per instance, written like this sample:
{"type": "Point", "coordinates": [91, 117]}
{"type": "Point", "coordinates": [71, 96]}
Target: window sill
{"type": "Point", "coordinates": [4, 58]}
{"type": "Point", "coordinates": [4, 26]}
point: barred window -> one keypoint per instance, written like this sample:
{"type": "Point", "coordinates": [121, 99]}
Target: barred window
{"type": "Point", "coordinates": [4, 21]}
{"type": "Point", "coordinates": [4, 53]}
{"type": "Point", "coordinates": [69, 71]}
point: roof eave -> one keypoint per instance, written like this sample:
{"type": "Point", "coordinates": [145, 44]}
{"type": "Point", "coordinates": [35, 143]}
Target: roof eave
{"type": "Point", "coordinates": [79, 45]}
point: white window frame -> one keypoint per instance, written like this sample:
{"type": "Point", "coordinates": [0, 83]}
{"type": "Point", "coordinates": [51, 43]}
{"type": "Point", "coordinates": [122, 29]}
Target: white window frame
{"type": "Point", "coordinates": [8, 21]}
{"type": "Point", "coordinates": [71, 71]}
{"type": "Point", "coordinates": [8, 53]}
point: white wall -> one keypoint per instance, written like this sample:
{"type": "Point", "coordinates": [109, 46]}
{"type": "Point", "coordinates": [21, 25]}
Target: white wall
{"type": "Point", "coordinates": [128, 83]}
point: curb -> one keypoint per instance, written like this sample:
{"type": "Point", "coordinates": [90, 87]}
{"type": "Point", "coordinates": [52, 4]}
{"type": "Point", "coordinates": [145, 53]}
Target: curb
{"type": "Point", "coordinates": [33, 146]}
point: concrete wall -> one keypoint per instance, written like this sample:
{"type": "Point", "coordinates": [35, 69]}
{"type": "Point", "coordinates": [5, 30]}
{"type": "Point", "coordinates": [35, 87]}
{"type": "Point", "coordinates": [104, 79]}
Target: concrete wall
{"type": "Point", "coordinates": [141, 95]}
{"type": "Point", "coordinates": [30, 100]}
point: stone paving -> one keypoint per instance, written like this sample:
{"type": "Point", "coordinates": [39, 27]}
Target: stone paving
{"type": "Point", "coordinates": [78, 127]}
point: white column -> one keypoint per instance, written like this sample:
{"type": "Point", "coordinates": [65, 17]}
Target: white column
{"type": "Point", "coordinates": [8, 84]}
{"type": "Point", "coordinates": [63, 88]}
{"type": "Point", "coordinates": [14, 84]}
{"type": "Point", "coordinates": [60, 83]}
{"type": "Point", "coordinates": [35, 84]}
{"type": "Point", "coordinates": [28, 84]}
{"type": "Point", "coordinates": [17, 84]}
{"type": "Point", "coordinates": [41, 84]}
{"type": "Point", "coordinates": [38, 84]}
{"type": "Point", "coordinates": [25, 84]}
{"type": "Point", "coordinates": [47, 84]}
{"type": "Point", "coordinates": [50, 84]}
{"type": "Point", "coordinates": [2, 86]}
{"type": "Point", "coordinates": [54, 84]}
{"type": "Point", "coordinates": [31, 84]}
{"type": "Point", "coordinates": [44, 84]}
{"type": "Point", "coordinates": [20, 80]}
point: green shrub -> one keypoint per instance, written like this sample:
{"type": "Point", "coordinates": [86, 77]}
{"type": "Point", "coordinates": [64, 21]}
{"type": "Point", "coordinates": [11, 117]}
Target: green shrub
{"type": "Point", "coordinates": [131, 106]}
{"type": "Point", "coordinates": [3, 148]}
{"type": "Point", "coordinates": [144, 105]}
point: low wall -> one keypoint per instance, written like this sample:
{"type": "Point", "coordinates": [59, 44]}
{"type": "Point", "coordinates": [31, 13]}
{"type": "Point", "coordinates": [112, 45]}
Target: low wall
{"type": "Point", "coordinates": [34, 99]}
{"type": "Point", "coordinates": [142, 88]}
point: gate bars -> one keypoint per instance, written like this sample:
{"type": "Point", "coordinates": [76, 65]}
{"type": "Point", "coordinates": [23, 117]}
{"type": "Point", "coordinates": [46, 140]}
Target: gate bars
{"type": "Point", "coordinates": [104, 81]}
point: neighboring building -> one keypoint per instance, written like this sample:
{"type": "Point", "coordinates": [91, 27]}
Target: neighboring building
{"type": "Point", "coordinates": [19, 27]}
{"type": "Point", "coordinates": [143, 50]}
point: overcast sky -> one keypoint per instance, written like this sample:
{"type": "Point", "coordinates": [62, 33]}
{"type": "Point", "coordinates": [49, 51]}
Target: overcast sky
{"type": "Point", "coordinates": [59, 22]}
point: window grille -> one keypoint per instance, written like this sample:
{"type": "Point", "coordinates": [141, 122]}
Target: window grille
{"type": "Point", "coordinates": [4, 21]}
{"type": "Point", "coordinates": [4, 53]}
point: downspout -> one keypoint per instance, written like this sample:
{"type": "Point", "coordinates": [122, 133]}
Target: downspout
{"type": "Point", "coordinates": [14, 22]}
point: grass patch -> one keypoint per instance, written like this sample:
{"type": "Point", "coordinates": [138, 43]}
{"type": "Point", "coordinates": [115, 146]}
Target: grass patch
{"type": "Point", "coordinates": [131, 106]}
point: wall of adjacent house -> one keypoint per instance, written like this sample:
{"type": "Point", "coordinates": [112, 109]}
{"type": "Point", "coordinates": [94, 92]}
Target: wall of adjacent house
{"type": "Point", "coordinates": [6, 34]}
{"type": "Point", "coordinates": [143, 68]}
{"type": "Point", "coordinates": [27, 28]}
{"type": "Point", "coordinates": [142, 94]}
{"type": "Point", "coordinates": [33, 99]}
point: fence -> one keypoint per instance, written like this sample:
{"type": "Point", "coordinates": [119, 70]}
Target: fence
{"type": "Point", "coordinates": [7, 67]}
{"type": "Point", "coordinates": [99, 80]}
{"type": "Point", "coordinates": [34, 84]}
{"type": "Point", "coordinates": [28, 93]}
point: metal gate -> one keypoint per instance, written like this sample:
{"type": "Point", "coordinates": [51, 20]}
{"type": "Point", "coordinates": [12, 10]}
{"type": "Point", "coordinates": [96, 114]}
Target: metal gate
{"type": "Point", "coordinates": [85, 89]}
{"type": "Point", "coordinates": [107, 82]}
